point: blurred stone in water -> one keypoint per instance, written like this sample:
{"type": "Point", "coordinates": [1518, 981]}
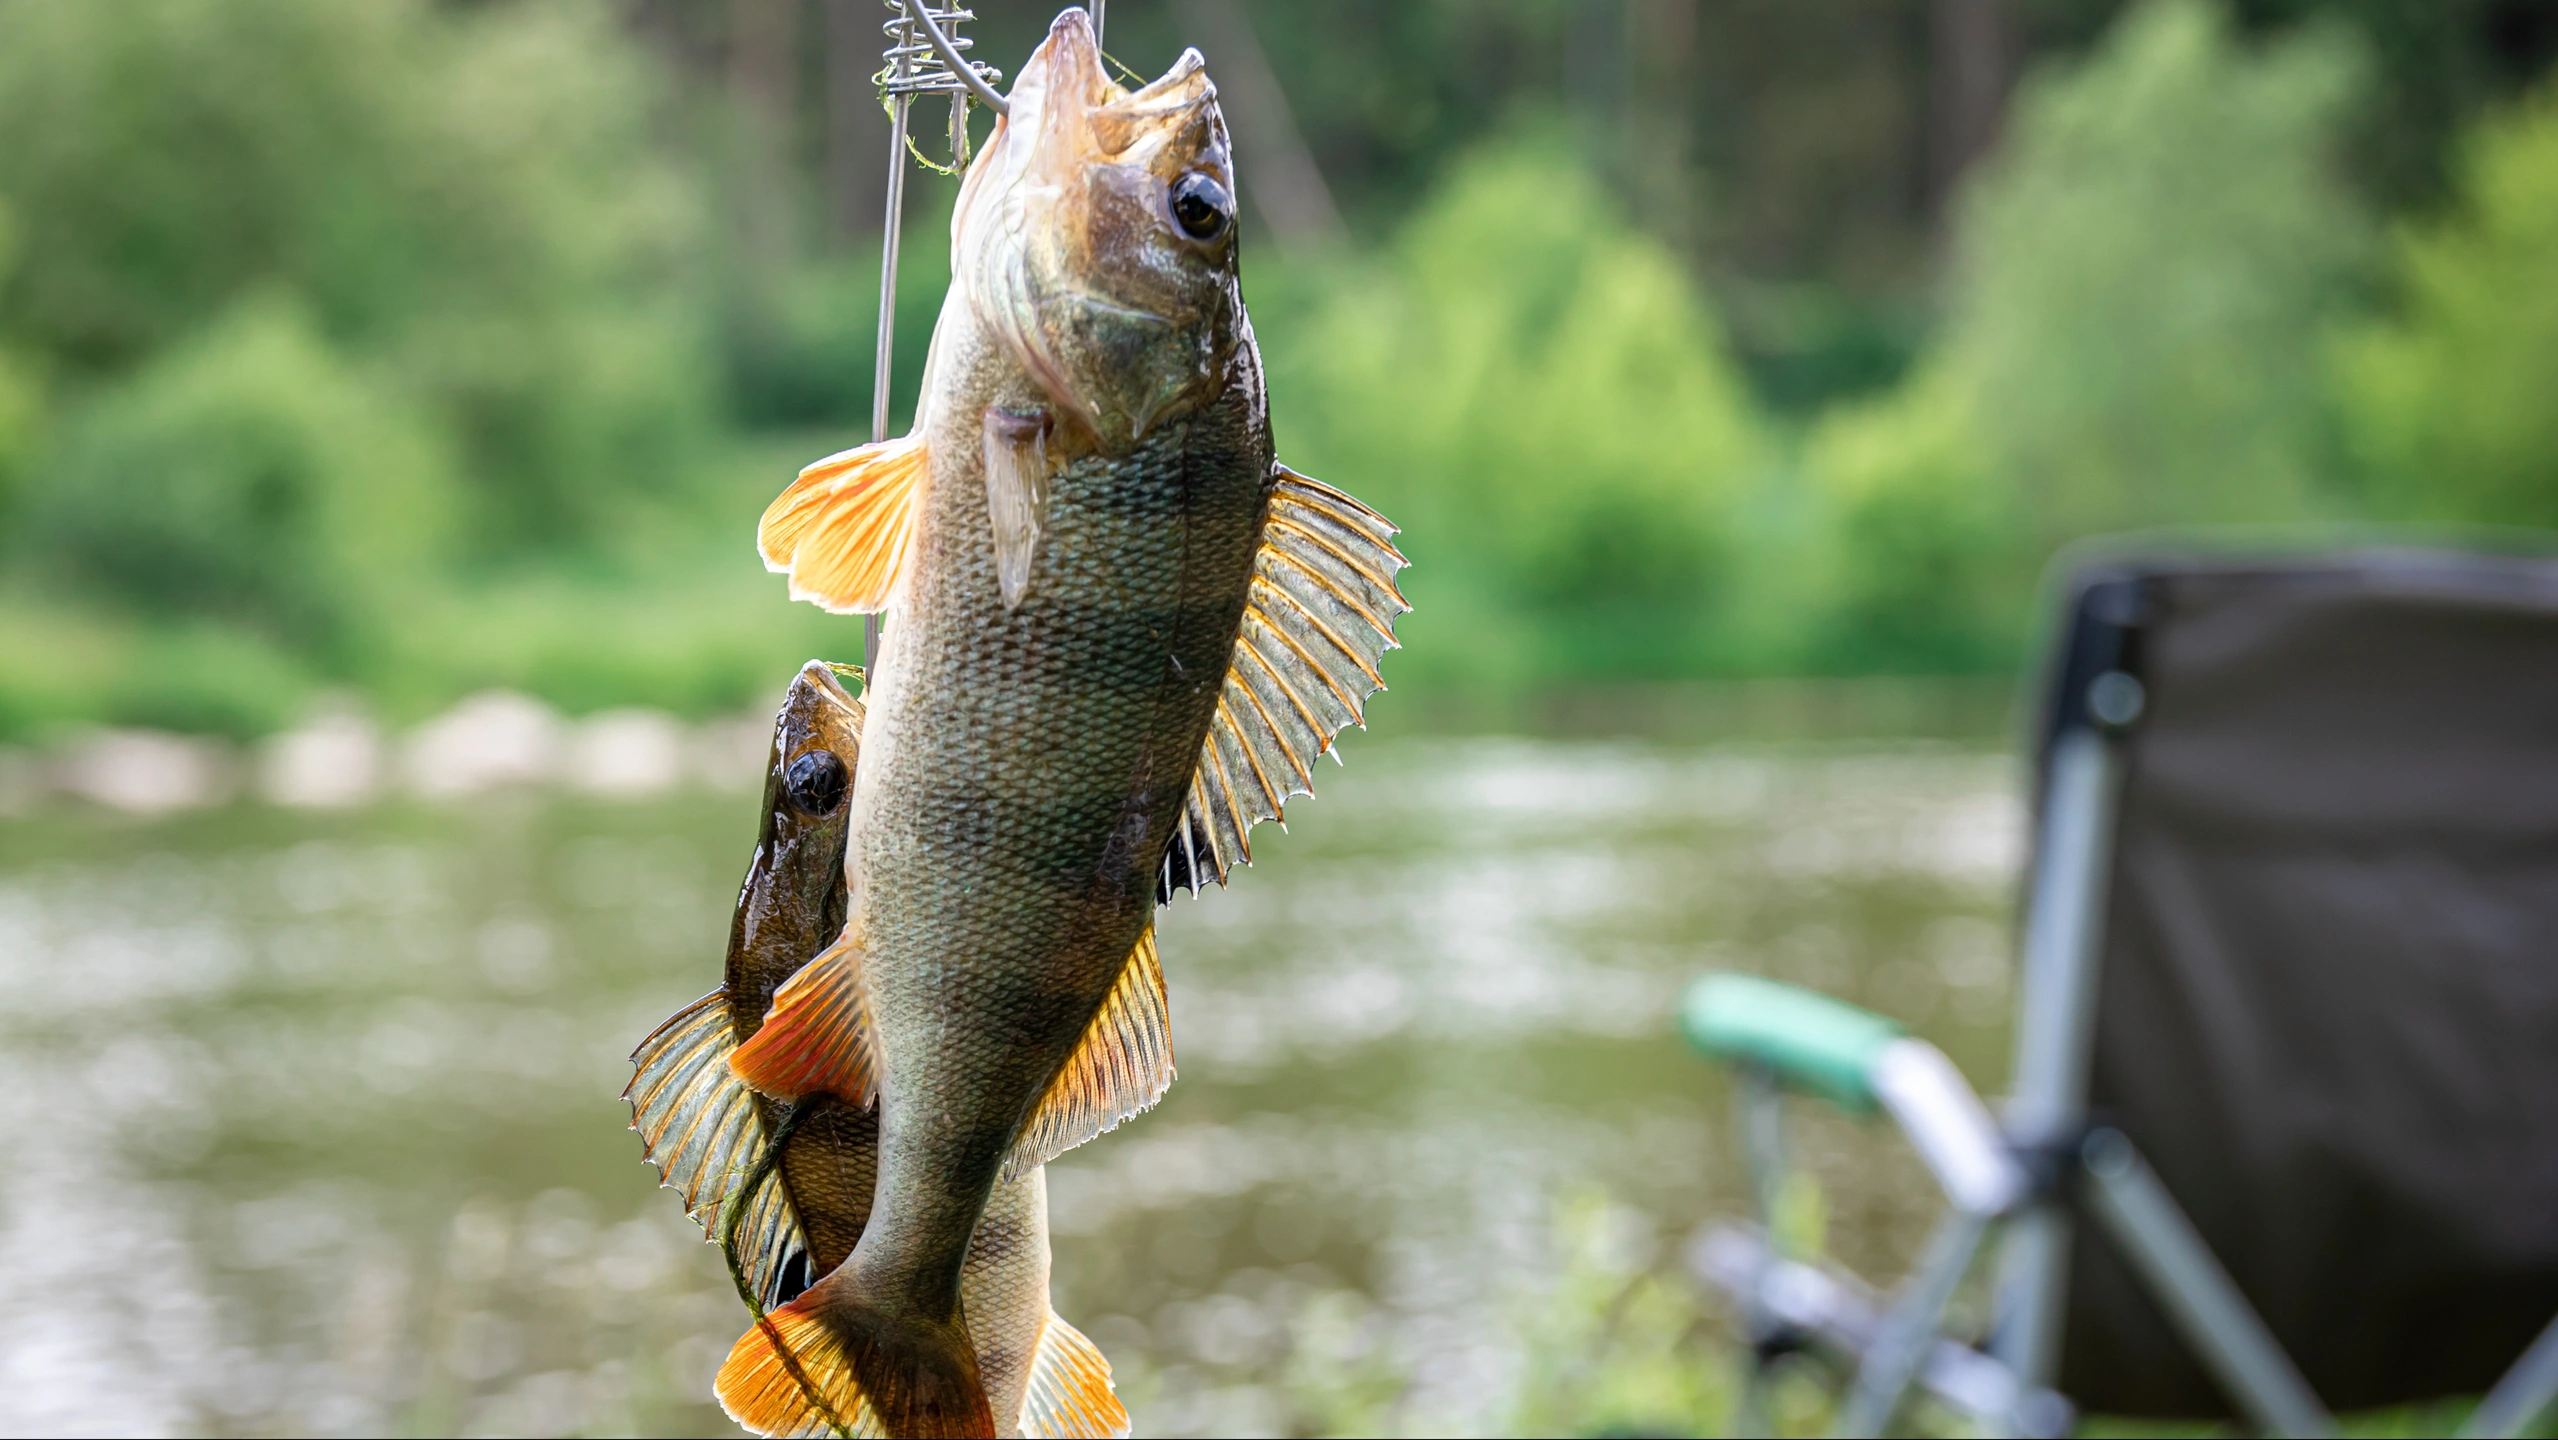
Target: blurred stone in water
{"type": "Point", "coordinates": [730, 754]}
{"type": "Point", "coordinates": [146, 772]}
{"type": "Point", "coordinates": [493, 739]}
{"type": "Point", "coordinates": [334, 761]}
{"type": "Point", "coordinates": [626, 753]}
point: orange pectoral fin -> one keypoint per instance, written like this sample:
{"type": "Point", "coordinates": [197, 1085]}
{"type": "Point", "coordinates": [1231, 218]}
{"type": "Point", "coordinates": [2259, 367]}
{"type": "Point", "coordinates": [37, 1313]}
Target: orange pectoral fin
{"type": "Point", "coordinates": [842, 529]}
{"type": "Point", "coordinates": [816, 1039]}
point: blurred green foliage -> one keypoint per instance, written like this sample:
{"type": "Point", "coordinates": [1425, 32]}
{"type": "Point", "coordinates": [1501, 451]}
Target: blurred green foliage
{"type": "Point", "coordinates": [2148, 274]}
{"type": "Point", "coordinates": [1537, 393]}
{"type": "Point", "coordinates": [2453, 401]}
{"type": "Point", "coordinates": [407, 348]}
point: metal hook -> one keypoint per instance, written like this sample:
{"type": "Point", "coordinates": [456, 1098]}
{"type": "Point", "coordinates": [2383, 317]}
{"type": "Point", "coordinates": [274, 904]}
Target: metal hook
{"type": "Point", "coordinates": [950, 56]}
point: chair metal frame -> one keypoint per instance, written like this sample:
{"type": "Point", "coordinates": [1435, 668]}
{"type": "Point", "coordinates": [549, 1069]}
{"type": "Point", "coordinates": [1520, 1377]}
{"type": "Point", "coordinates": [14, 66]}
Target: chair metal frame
{"type": "Point", "coordinates": [2032, 1175]}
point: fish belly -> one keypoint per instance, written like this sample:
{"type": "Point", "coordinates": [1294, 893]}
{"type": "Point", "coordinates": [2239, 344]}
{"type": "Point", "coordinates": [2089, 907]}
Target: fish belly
{"type": "Point", "coordinates": [1034, 764]}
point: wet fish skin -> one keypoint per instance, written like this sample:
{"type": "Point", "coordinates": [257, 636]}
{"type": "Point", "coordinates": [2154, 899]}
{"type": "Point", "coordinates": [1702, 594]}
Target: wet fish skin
{"type": "Point", "coordinates": [789, 907]}
{"type": "Point", "coordinates": [792, 901]}
{"type": "Point", "coordinates": [1026, 764]}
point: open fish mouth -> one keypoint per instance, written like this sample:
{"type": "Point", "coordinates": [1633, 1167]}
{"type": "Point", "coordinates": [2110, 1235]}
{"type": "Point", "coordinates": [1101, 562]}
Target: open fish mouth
{"type": "Point", "coordinates": [1070, 246]}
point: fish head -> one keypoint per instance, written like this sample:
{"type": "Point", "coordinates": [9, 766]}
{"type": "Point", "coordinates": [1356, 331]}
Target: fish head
{"type": "Point", "coordinates": [1095, 236]}
{"type": "Point", "coordinates": [809, 783]}
{"type": "Point", "coordinates": [795, 896]}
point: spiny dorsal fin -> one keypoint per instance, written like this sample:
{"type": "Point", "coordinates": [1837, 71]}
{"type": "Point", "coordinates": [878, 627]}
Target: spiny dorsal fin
{"type": "Point", "coordinates": [816, 1039]}
{"type": "Point", "coordinates": [842, 529]}
{"type": "Point", "coordinates": [1121, 1068]}
{"type": "Point", "coordinates": [698, 1124]}
{"type": "Point", "coordinates": [1320, 615]}
{"type": "Point", "coordinates": [1070, 1397]}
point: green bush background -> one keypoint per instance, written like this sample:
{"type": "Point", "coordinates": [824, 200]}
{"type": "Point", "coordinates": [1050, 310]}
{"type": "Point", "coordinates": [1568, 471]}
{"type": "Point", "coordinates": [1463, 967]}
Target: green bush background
{"type": "Point", "coordinates": [396, 348]}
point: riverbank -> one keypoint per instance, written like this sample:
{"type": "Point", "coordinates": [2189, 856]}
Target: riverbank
{"type": "Point", "coordinates": [344, 756]}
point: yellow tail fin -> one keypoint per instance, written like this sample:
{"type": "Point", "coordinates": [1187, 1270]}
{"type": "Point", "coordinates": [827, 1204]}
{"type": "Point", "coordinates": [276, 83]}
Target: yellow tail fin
{"type": "Point", "coordinates": [828, 1361]}
{"type": "Point", "coordinates": [790, 1376]}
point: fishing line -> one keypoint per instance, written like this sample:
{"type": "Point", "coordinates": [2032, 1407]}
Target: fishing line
{"type": "Point", "coordinates": [756, 1176]}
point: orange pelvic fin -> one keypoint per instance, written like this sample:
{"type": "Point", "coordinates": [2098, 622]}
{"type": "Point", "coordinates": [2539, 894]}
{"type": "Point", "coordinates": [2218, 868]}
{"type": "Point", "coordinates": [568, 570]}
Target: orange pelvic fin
{"type": "Point", "coordinates": [1070, 1396]}
{"type": "Point", "coordinates": [1121, 1068]}
{"type": "Point", "coordinates": [816, 1038]}
{"type": "Point", "coordinates": [842, 529]}
{"type": "Point", "coordinates": [826, 1361]}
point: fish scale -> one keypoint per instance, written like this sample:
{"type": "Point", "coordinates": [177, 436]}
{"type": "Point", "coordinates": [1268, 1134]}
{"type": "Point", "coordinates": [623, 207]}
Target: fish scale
{"type": "Point", "coordinates": [1085, 583]}
{"type": "Point", "coordinates": [1011, 887]}
{"type": "Point", "coordinates": [708, 1133]}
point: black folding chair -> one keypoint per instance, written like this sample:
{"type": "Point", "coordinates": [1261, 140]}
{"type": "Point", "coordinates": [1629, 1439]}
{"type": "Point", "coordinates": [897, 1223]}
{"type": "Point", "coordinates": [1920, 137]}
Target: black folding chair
{"type": "Point", "coordinates": [2283, 1128]}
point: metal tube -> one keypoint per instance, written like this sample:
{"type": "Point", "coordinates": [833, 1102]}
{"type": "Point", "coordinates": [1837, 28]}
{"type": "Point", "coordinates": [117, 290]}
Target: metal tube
{"type": "Point", "coordinates": [2526, 1390]}
{"type": "Point", "coordinates": [2055, 1031]}
{"type": "Point", "coordinates": [883, 359]}
{"type": "Point", "coordinates": [888, 269]}
{"type": "Point", "coordinates": [2224, 1331]}
{"type": "Point", "coordinates": [1760, 1112]}
{"type": "Point", "coordinates": [1908, 1333]}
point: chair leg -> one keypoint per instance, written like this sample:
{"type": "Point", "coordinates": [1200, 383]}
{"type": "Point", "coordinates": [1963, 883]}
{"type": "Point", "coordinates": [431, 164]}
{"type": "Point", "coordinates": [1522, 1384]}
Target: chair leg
{"type": "Point", "coordinates": [2133, 1205]}
{"type": "Point", "coordinates": [1907, 1333]}
{"type": "Point", "coordinates": [2526, 1390]}
{"type": "Point", "coordinates": [1760, 1112]}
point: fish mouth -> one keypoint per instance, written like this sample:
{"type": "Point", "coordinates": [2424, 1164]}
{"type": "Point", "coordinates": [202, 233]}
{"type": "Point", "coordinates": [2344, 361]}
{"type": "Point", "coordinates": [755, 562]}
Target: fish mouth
{"type": "Point", "coordinates": [1066, 110]}
{"type": "Point", "coordinates": [819, 675]}
{"type": "Point", "coordinates": [1063, 240]}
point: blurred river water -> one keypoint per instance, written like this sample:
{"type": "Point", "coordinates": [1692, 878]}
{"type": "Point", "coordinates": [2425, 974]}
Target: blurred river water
{"type": "Point", "coordinates": [312, 1121]}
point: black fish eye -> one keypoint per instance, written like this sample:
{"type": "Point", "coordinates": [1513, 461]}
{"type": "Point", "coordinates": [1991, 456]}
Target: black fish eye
{"type": "Point", "coordinates": [1201, 206]}
{"type": "Point", "coordinates": [815, 783]}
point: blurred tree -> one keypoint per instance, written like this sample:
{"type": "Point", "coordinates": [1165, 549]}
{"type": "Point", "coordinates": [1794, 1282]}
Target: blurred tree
{"type": "Point", "coordinates": [2453, 404]}
{"type": "Point", "coordinates": [1540, 391]}
{"type": "Point", "coordinates": [20, 405]}
{"type": "Point", "coordinates": [2145, 271]}
{"type": "Point", "coordinates": [469, 200]}
{"type": "Point", "coordinates": [251, 474]}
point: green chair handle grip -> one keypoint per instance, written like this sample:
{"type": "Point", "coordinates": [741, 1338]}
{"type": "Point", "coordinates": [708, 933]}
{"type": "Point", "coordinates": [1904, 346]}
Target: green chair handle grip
{"type": "Point", "coordinates": [1807, 1039]}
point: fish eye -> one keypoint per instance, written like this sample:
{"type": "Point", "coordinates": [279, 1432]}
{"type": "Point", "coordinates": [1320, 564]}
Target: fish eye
{"type": "Point", "coordinates": [815, 783]}
{"type": "Point", "coordinates": [1201, 206]}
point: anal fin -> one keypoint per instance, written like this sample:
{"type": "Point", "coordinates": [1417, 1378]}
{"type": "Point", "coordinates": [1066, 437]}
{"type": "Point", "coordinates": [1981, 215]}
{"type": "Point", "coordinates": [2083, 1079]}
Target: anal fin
{"type": "Point", "coordinates": [1121, 1068]}
{"type": "Point", "coordinates": [816, 1039]}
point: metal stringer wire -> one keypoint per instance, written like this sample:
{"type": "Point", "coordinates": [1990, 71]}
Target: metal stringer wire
{"type": "Point", "coordinates": [920, 36]}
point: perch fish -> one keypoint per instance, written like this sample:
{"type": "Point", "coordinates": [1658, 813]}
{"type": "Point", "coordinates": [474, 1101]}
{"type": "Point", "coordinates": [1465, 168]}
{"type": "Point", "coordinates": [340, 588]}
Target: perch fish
{"type": "Point", "coordinates": [1119, 634]}
{"type": "Point", "coordinates": [705, 1130]}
